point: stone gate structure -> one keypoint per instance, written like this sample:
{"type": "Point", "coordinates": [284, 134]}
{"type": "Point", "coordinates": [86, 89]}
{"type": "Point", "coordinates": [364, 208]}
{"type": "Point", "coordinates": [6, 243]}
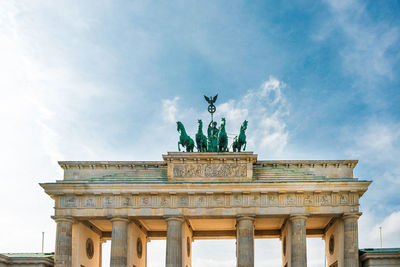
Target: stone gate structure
{"type": "Point", "coordinates": [190, 196]}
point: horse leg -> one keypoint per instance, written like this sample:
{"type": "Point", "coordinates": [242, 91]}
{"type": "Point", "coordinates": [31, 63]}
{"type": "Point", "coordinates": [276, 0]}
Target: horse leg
{"type": "Point", "coordinates": [245, 143]}
{"type": "Point", "coordinates": [179, 148]}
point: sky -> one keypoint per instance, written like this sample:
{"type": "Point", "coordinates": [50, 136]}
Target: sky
{"type": "Point", "coordinates": [107, 80]}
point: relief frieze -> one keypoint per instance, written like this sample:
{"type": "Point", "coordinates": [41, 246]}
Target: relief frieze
{"type": "Point", "coordinates": [183, 201]}
{"type": "Point", "coordinates": [200, 201]}
{"type": "Point", "coordinates": [237, 200]}
{"type": "Point", "coordinates": [108, 202]}
{"type": "Point", "coordinates": [71, 202]}
{"type": "Point", "coordinates": [89, 202]}
{"type": "Point", "coordinates": [272, 199]}
{"type": "Point", "coordinates": [218, 200]}
{"type": "Point", "coordinates": [126, 202]}
{"type": "Point", "coordinates": [290, 200]}
{"type": "Point", "coordinates": [308, 199]}
{"type": "Point", "coordinates": [209, 170]}
{"type": "Point", "coordinates": [211, 200]}
{"type": "Point", "coordinates": [325, 199]}
{"type": "Point", "coordinates": [344, 198]}
{"type": "Point", "coordinates": [254, 200]}
{"type": "Point", "coordinates": [145, 201]}
{"type": "Point", "coordinates": [165, 201]}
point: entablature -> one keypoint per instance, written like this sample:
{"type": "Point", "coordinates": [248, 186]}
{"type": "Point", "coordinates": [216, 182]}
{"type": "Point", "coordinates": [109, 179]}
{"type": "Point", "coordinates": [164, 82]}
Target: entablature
{"type": "Point", "coordinates": [208, 167]}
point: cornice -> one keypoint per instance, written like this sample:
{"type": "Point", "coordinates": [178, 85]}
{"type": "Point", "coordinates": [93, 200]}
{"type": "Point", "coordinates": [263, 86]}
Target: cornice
{"type": "Point", "coordinates": [182, 156]}
{"type": "Point", "coordinates": [62, 188]}
{"type": "Point", "coordinates": [308, 163]}
{"type": "Point", "coordinates": [108, 164]}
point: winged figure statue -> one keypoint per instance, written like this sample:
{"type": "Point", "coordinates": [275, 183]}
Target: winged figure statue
{"type": "Point", "coordinates": [211, 100]}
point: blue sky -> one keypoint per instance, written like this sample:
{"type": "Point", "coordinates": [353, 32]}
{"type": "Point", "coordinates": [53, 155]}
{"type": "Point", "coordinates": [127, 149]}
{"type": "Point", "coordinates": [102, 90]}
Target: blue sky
{"type": "Point", "coordinates": [107, 80]}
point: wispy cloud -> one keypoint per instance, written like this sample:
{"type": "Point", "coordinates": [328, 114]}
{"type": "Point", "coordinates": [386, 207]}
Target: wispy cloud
{"type": "Point", "coordinates": [370, 232]}
{"type": "Point", "coordinates": [367, 44]}
{"type": "Point", "coordinates": [266, 109]}
{"type": "Point", "coordinates": [44, 111]}
{"type": "Point", "coordinates": [375, 141]}
{"type": "Point", "coordinates": [170, 109]}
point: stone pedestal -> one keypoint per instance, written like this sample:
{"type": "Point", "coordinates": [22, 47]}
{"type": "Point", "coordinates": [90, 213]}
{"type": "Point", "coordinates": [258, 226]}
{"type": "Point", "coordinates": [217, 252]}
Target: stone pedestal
{"type": "Point", "coordinates": [245, 241]}
{"type": "Point", "coordinates": [174, 242]}
{"type": "Point", "coordinates": [119, 244]}
{"type": "Point", "coordinates": [298, 242]}
{"type": "Point", "coordinates": [63, 252]}
{"type": "Point", "coordinates": [350, 221]}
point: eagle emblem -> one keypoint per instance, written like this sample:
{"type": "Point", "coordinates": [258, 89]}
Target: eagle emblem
{"type": "Point", "coordinates": [211, 100]}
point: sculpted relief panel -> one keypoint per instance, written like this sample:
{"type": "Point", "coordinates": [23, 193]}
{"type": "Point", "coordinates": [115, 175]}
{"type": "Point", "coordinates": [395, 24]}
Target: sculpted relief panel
{"type": "Point", "coordinates": [209, 170]}
{"type": "Point", "coordinates": [210, 200]}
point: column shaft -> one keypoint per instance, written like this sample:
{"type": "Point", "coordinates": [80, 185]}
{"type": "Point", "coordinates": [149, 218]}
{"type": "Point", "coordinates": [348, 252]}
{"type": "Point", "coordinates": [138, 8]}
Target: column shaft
{"type": "Point", "coordinates": [63, 252]}
{"type": "Point", "coordinates": [174, 242]}
{"type": "Point", "coordinates": [351, 240]}
{"type": "Point", "coordinates": [298, 242]}
{"type": "Point", "coordinates": [119, 244]}
{"type": "Point", "coordinates": [245, 241]}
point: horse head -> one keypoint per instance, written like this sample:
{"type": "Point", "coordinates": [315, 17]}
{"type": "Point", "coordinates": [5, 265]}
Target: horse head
{"type": "Point", "coordinates": [244, 125]}
{"type": "Point", "coordinates": [179, 126]}
{"type": "Point", "coordinates": [200, 124]}
{"type": "Point", "coordinates": [222, 124]}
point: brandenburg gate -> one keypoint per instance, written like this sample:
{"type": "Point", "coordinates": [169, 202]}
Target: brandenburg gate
{"type": "Point", "coordinates": [191, 195]}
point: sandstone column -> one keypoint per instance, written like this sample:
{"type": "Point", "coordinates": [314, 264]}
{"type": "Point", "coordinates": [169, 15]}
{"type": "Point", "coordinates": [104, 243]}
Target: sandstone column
{"type": "Point", "coordinates": [245, 241]}
{"type": "Point", "coordinates": [351, 239]}
{"type": "Point", "coordinates": [119, 244]}
{"type": "Point", "coordinates": [174, 242]}
{"type": "Point", "coordinates": [298, 242]}
{"type": "Point", "coordinates": [63, 252]}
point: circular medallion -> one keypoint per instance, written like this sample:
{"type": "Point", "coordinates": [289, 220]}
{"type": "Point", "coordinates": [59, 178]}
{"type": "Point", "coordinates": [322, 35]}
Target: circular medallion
{"type": "Point", "coordinates": [331, 244]}
{"type": "Point", "coordinates": [188, 246]}
{"type": "Point", "coordinates": [284, 246]}
{"type": "Point", "coordinates": [139, 248]}
{"type": "Point", "coordinates": [211, 108]}
{"type": "Point", "coordinates": [89, 248]}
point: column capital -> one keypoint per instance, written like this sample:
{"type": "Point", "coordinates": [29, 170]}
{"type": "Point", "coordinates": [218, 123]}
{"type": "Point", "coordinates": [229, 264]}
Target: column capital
{"type": "Point", "coordinates": [174, 218]}
{"type": "Point", "coordinates": [352, 215]}
{"type": "Point", "coordinates": [298, 216]}
{"type": "Point", "coordinates": [63, 219]}
{"type": "Point", "coordinates": [245, 217]}
{"type": "Point", "coordinates": [119, 218]}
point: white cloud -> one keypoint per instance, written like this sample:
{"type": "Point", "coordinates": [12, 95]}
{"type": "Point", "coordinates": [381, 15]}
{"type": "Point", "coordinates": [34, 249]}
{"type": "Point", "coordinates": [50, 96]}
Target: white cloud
{"type": "Point", "coordinates": [365, 51]}
{"type": "Point", "coordinates": [42, 110]}
{"type": "Point", "coordinates": [375, 141]}
{"type": "Point", "coordinates": [369, 233]}
{"type": "Point", "coordinates": [170, 109]}
{"type": "Point", "coordinates": [266, 109]}
{"type": "Point", "coordinates": [390, 229]}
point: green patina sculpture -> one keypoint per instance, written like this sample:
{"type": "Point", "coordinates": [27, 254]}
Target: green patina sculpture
{"type": "Point", "coordinates": [240, 139]}
{"type": "Point", "coordinates": [211, 108]}
{"type": "Point", "coordinates": [212, 141]}
{"type": "Point", "coordinates": [217, 139]}
{"type": "Point", "coordinates": [184, 139]}
{"type": "Point", "coordinates": [222, 137]}
{"type": "Point", "coordinates": [201, 139]}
